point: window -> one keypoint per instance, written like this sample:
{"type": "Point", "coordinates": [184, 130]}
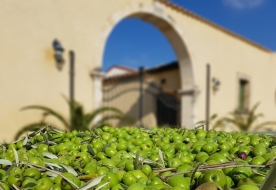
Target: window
{"type": "Point", "coordinates": [243, 103]}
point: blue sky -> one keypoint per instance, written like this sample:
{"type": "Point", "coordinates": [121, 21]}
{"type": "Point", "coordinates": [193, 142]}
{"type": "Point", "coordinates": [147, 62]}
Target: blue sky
{"type": "Point", "coordinates": [134, 43]}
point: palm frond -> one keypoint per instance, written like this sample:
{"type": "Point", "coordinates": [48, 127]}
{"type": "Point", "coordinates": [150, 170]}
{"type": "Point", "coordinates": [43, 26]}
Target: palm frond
{"type": "Point", "coordinates": [213, 117]}
{"type": "Point", "coordinates": [91, 116]}
{"type": "Point", "coordinates": [99, 125]}
{"type": "Point", "coordinates": [240, 120]}
{"type": "Point", "coordinates": [129, 120]}
{"type": "Point", "coordinates": [251, 113]}
{"type": "Point", "coordinates": [253, 118]}
{"type": "Point", "coordinates": [202, 122]}
{"type": "Point", "coordinates": [245, 122]}
{"type": "Point", "coordinates": [230, 120]}
{"type": "Point", "coordinates": [49, 111]}
{"type": "Point", "coordinates": [78, 119]}
{"type": "Point", "coordinates": [255, 107]}
{"type": "Point", "coordinates": [76, 114]}
{"type": "Point", "coordinates": [29, 127]}
{"type": "Point", "coordinates": [218, 123]}
{"type": "Point", "coordinates": [109, 117]}
{"type": "Point", "coordinates": [261, 125]}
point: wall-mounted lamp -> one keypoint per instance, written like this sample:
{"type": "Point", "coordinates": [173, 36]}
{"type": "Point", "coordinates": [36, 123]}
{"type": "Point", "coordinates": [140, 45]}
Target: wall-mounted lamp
{"type": "Point", "coordinates": [60, 62]}
{"type": "Point", "coordinates": [215, 84]}
{"type": "Point", "coordinates": [58, 54]}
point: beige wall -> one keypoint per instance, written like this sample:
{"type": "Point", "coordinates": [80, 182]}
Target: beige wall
{"type": "Point", "coordinates": [172, 79]}
{"type": "Point", "coordinates": [229, 58]}
{"type": "Point", "coordinates": [29, 76]}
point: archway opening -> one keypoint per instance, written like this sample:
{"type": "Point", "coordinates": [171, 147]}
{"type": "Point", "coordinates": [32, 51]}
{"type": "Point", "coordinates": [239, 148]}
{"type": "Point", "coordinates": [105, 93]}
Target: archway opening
{"type": "Point", "coordinates": [184, 90]}
{"type": "Point", "coordinates": [134, 43]}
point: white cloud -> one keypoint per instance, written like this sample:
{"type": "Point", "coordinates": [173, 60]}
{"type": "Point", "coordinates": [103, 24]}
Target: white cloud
{"type": "Point", "coordinates": [242, 4]}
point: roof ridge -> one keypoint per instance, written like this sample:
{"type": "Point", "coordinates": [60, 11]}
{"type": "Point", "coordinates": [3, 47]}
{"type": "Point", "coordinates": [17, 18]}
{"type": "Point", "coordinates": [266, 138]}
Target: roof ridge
{"type": "Point", "coordinates": [147, 73]}
{"type": "Point", "coordinates": [122, 67]}
{"type": "Point", "coordinates": [229, 32]}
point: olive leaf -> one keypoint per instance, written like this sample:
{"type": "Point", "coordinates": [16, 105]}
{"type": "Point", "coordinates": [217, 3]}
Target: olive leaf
{"type": "Point", "coordinates": [86, 141]}
{"type": "Point", "coordinates": [37, 131]}
{"type": "Point", "coordinates": [161, 157]}
{"type": "Point", "coordinates": [199, 127]}
{"type": "Point", "coordinates": [259, 172]}
{"type": "Point", "coordinates": [1, 187]}
{"type": "Point", "coordinates": [25, 141]}
{"type": "Point", "coordinates": [53, 165]}
{"type": "Point", "coordinates": [17, 140]}
{"type": "Point", "coordinates": [124, 186]}
{"type": "Point", "coordinates": [82, 135]}
{"type": "Point", "coordinates": [49, 155]}
{"type": "Point", "coordinates": [51, 174]}
{"type": "Point", "coordinates": [138, 163]}
{"type": "Point", "coordinates": [15, 187]}
{"type": "Point", "coordinates": [31, 184]}
{"type": "Point", "coordinates": [91, 183]}
{"type": "Point", "coordinates": [51, 142]}
{"type": "Point", "coordinates": [269, 181]}
{"type": "Point", "coordinates": [44, 137]}
{"type": "Point", "coordinates": [143, 159]}
{"type": "Point", "coordinates": [5, 162]}
{"type": "Point", "coordinates": [56, 130]}
{"type": "Point", "coordinates": [151, 132]}
{"type": "Point", "coordinates": [103, 185]}
{"type": "Point", "coordinates": [90, 150]}
{"type": "Point", "coordinates": [3, 148]}
{"type": "Point", "coordinates": [107, 145]}
{"type": "Point", "coordinates": [15, 156]}
{"type": "Point", "coordinates": [69, 169]}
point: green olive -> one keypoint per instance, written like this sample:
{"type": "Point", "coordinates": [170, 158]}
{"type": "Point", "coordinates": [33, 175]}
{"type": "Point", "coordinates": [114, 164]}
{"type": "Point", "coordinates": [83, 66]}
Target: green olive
{"type": "Point", "coordinates": [15, 179]}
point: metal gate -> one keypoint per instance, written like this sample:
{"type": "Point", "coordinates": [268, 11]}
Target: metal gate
{"type": "Point", "coordinates": [139, 97]}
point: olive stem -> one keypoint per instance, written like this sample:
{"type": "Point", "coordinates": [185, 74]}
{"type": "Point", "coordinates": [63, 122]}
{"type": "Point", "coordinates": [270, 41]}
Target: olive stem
{"type": "Point", "coordinates": [164, 170]}
{"type": "Point", "coordinates": [193, 174]}
{"type": "Point", "coordinates": [218, 166]}
{"type": "Point", "coordinates": [206, 166]}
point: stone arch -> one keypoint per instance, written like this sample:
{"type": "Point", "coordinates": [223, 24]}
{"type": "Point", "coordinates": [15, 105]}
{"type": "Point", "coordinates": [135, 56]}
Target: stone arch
{"type": "Point", "coordinates": [155, 15]}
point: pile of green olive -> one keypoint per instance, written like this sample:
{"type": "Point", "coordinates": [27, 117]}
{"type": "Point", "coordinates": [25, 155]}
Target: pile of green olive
{"type": "Point", "coordinates": [136, 159]}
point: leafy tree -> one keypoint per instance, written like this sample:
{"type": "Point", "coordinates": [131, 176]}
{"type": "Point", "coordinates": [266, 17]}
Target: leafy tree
{"type": "Point", "coordinates": [78, 119]}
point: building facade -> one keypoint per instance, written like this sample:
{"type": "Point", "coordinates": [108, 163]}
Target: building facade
{"type": "Point", "coordinates": [29, 75]}
{"type": "Point", "coordinates": [149, 96]}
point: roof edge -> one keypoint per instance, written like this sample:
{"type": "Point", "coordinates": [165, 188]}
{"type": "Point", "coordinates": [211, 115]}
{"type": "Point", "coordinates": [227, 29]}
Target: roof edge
{"type": "Point", "coordinates": [204, 20]}
{"type": "Point", "coordinates": [131, 70]}
{"type": "Point", "coordinates": [147, 73]}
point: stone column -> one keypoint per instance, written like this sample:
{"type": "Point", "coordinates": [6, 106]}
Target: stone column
{"type": "Point", "coordinates": [188, 96]}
